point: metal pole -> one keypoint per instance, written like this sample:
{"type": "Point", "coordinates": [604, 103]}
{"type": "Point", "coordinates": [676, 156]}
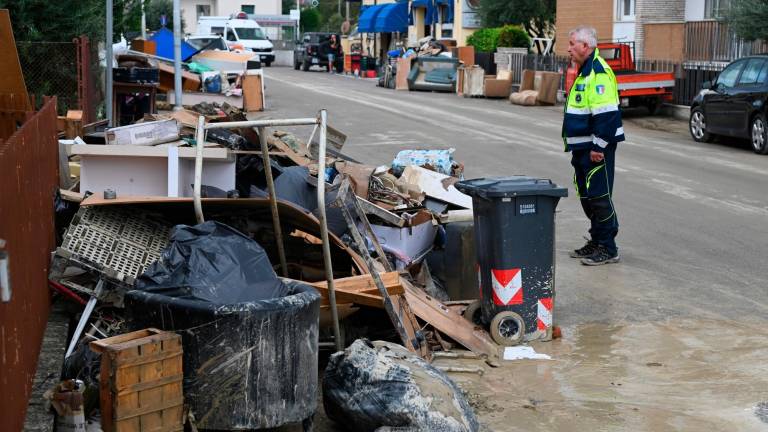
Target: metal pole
{"type": "Point", "coordinates": [108, 86]}
{"type": "Point", "coordinates": [324, 229]}
{"type": "Point", "coordinates": [200, 143]}
{"type": "Point", "coordinates": [143, 21]}
{"type": "Point", "coordinates": [273, 201]}
{"type": "Point", "coordinates": [262, 123]}
{"type": "Point", "coordinates": [177, 55]}
{"type": "Point", "coordinates": [347, 10]}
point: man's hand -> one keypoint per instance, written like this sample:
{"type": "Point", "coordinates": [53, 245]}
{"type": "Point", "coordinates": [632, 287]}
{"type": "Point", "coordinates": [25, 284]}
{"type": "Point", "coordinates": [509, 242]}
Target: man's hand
{"type": "Point", "coordinates": [596, 156]}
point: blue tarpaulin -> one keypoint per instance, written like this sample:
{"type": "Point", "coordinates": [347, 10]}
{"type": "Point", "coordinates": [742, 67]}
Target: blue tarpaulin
{"type": "Point", "coordinates": [367, 21]}
{"type": "Point", "coordinates": [163, 38]}
{"type": "Point", "coordinates": [392, 18]}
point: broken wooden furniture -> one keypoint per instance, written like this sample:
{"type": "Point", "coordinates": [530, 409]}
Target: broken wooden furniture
{"type": "Point", "coordinates": [163, 171]}
{"type": "Point", "coordinates": [141, 382]}
{"type": "Point", "coordinates": [140, 97]}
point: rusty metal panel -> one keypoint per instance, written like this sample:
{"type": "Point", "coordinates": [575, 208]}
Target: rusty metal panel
{"type": "Point", "coordinates": [28, 180]}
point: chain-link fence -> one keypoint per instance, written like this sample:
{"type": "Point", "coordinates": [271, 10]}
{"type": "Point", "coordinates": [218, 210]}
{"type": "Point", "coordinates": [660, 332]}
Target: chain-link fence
{"type": "Point", "coordinates": [50, 69]}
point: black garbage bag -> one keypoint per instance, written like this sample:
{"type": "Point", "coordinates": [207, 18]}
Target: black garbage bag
{"type": "Point", "coordinates": [215, 263]}
{"type": "Point", "coordinates": [380, 384]}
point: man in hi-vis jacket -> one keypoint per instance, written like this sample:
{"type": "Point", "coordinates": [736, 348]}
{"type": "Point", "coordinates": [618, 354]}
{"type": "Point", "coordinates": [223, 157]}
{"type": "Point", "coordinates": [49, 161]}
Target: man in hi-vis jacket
{"type": "Point", "coordinates": [591, 129]}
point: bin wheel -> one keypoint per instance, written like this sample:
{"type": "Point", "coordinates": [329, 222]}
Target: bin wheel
{"type": "Point", "coordinates": [473, 313]}
{"type": "Point", "coordinates": [507, 328]}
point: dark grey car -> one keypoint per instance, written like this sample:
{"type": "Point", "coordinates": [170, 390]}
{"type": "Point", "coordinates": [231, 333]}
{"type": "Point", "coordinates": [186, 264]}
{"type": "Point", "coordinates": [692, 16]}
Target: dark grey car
{"type": "Point", "coordinates": [734, 104]}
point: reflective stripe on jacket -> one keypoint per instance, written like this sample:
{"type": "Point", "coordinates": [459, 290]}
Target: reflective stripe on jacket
{"type": "Point", "coordinates": [592, 117]}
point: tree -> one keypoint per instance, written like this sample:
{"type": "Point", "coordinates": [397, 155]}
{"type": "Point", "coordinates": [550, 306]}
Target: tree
{"type": "Point", "coordinates": [63, 20]}
{"type": "Point", "coordinates": [747, 18]}
{"type": "Point", "coordinates": [310, 20]}
{"type": "Point", "coordinates": [537, 17]}
{"type": "Point", "coordinates": [334, 23]}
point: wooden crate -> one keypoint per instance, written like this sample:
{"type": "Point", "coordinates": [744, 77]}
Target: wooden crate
{"type": "Point", "coordinates": [141, 382]}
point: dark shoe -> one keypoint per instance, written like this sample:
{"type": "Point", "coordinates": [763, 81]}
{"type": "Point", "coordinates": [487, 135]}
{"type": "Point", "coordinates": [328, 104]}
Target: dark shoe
{"type": "Point", "coordinates": [601, 256]}
{"type": "Point", "coordinates": [586, 251]}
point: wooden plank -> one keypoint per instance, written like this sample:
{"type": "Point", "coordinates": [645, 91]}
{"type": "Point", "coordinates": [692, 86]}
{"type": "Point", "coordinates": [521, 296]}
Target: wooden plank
{"type": "Point", "coordinates": [384, 214]}
{"type": "Point", "coordinates": [449, 322]}
{"type": "Point", "coordinates": [123, 414]}
{"type": "Point", "coordinates": [122, 346]}
{"type": "Point", "coordinates": [362, 282]}
{"type": "Point", "coordinates": [129, 402]}
{"type": "Point", "coordinates": [173, 416]}
{"type": "Point", "coordinates": [141, 386]}
{"type": "Point", "coordinates": [411, 325]}
{"type": "Point", "coordinates": [100, 345]}
{"type": "Point", "coordinates": [151, 397]}
{"type": "Point", "coordinates": [289, 152]}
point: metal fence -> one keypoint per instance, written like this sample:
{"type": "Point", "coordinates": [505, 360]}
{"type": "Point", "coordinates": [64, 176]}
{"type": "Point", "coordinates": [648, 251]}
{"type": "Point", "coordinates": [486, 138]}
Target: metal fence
{"type": "Point", "coordinates": [714, 41]}
{"type": "Point", "coordinates": [689, 76]}
{"type": "Point", "coordinates": [28, 178]}
{"type": "Point", "coordinates": [50, 68]}
{"type": "Point", "coordinates": [68, 70]}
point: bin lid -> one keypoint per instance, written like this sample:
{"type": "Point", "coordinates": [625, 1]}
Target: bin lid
{"type": "Point", "coordinates": [500, 187]}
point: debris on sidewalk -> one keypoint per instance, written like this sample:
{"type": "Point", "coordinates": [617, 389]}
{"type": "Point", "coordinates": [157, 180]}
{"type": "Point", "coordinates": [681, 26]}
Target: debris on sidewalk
{"type": "Point", "coordinates": [134, 257]}
{"type": "Point", "coordinates": [379, 384]}
{"type": "Point", "coordinates": [67, 399]}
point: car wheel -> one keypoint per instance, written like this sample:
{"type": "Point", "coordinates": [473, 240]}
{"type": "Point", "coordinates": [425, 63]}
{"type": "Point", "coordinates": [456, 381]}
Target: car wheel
{"type": "Point", "coordinates": [267, 64]}
{"type": "Point", "coordinates": [698, 126]}
{"type": "Point", "coordinates": [305, 65]}
{"type": "Point", "coordinates": [758, 133]}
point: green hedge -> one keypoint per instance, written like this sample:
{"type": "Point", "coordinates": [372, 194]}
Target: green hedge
{"type": "Point", "coordinates": [485, 40]}
{"type": "Point", "coordinates": [488, 39]}
{"type": "Point", "coordinates": [514, 37]}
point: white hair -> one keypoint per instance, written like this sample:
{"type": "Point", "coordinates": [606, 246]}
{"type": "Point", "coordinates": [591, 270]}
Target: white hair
{"type": "Point", "coordinates": [585, 34]}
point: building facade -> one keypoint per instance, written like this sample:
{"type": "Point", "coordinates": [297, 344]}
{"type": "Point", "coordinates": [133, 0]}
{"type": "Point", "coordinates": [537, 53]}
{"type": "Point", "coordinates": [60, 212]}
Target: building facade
{"type": "Point", "coordinates": [192, 10]}
{"type": "Point", "coordinates": [677, 30]}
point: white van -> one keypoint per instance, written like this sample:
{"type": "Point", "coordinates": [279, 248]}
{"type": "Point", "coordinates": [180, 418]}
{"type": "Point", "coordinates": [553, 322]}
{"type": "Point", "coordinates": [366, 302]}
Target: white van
{"type": "Point", "coordinates": [238, 30]}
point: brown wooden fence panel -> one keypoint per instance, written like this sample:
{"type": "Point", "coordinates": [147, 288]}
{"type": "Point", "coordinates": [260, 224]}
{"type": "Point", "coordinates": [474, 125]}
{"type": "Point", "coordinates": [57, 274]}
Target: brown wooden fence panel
{"type": "Point", "coordinates": [28, 180]}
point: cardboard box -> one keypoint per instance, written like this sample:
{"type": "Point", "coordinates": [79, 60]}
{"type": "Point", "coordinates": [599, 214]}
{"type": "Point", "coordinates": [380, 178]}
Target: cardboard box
{"type": "Point", "coordinates": [545, 83]}
{"type": "Point", "coordinates": [253, 92]}
{"type": "Point", "coordinates": [403, 69]}
{"type": "Point", "coordinates": [144, 134]}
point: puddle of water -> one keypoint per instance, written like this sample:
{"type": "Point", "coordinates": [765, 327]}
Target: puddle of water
{"type": "Point", "coordinates": [678, 375]}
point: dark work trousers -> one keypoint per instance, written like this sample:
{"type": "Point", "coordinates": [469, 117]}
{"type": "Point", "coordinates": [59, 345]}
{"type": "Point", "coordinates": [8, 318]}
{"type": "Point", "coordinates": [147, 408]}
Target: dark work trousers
{"type": "Point", "coordinates": [594, 186]}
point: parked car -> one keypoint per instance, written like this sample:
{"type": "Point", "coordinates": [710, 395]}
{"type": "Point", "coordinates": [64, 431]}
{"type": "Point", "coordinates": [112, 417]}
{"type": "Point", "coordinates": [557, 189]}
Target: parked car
{"type": "Point", "coordinates": [239, 31]}
{"type": "Point", "coordinates": [313, 49]}
{"type": "Point", "coordinates": [734, 104]}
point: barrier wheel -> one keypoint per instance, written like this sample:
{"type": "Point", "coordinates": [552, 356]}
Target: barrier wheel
{"type": "Point", "coordinates": [473, 313]}
{"type": "Point", "coordinates": [507, 328]}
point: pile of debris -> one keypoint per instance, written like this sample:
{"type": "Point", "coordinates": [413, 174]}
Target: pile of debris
{"type": "Point", "coordinates": [135, 255]}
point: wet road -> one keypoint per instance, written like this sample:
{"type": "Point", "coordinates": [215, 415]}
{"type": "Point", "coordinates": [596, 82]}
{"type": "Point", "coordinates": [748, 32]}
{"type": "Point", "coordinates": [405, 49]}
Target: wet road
{"type": "Point", "coordinates": [672, 338]}
{"type": "Point", "coordinates": [693, 217]}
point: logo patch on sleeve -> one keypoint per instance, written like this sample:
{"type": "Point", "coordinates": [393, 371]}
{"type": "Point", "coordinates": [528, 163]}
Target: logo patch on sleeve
{"type": "Point", "coordinates": [600, 89]}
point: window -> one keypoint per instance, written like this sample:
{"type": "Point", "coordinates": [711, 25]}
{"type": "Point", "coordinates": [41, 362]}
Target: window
{"type": "Point", "coordinates": [714, 9]}
{"type": "Point", "coordinates": [231, 35]}
{"type": "Point", "coordinates": [626, 10]}
{"type": "Point", "coordinates": [249, 9]}
{"type": "Point", "coordinates": [251, 33]}
{"type": "Point", "coordinates": [751, 72]}
{"type": "Point", "coordinates": [727, 78]}
{"type": "Point", "coordinates": [763, 77]}
{"type": "Point", "coordinates": [203, 10]}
